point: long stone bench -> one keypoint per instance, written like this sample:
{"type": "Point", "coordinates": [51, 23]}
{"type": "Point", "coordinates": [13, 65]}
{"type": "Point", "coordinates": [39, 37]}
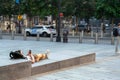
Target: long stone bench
{"type": "Point", "coordinates": [15, 71]}
{"type": "Point", "coordinates": [26, 69]}
{"type": "Point", "coordinates": [63, 64]}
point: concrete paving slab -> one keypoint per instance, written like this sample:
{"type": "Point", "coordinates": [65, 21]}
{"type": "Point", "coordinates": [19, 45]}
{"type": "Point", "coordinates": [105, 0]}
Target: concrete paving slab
{"type": "Point", "coordinates": [58, 51]}
{"type": "Point", "coordinates": [105, 70]}
{"type": "Point", "coordinates": [99, 71]}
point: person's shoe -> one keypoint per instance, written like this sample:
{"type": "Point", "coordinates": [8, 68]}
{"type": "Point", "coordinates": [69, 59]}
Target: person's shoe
{"type": "Point", "coordinates": [47, 53]}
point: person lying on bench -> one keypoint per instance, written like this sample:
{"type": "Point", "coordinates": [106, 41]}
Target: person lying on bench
{"type": "Point", "coordinates": [37, 57]}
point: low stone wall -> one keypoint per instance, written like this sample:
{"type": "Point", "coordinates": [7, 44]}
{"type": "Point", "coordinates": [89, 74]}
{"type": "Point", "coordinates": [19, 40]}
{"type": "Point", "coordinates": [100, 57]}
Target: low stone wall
{"type": "Point", "coordinates": [25, 69]}
{"type": "Point", "coordinates": [63, 64]}
{"type": "Point", "coordinates": [15, 71]}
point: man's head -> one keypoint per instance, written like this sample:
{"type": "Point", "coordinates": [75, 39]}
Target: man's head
{"type": "Point", "coordinates": [29, 51]}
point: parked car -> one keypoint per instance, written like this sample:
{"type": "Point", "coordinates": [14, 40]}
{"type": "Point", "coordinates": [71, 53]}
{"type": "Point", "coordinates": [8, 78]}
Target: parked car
{"type": "Point", "coordinates": [43, 30]}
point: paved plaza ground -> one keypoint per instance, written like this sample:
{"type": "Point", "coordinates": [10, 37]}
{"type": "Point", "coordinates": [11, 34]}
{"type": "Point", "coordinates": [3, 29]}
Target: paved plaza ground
{"type": "Point", "coordinates": [106, 66]}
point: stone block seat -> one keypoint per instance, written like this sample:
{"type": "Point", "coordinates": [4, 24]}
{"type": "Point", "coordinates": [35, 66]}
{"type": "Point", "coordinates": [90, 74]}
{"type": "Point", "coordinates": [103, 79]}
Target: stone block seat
{"type": "Point", "coordinates": [16, 69]}
{"type": "Point", "coordinates": [57, 61]}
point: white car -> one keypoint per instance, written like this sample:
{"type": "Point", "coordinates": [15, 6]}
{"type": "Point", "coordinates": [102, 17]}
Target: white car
{"type": "Point", "coordinates": [43, 30]}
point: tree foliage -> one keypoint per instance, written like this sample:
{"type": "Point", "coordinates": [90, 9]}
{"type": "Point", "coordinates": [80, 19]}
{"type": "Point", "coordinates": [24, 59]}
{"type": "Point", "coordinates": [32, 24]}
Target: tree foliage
{"type": "Point", "coordinates": [108, 8]}
{"type": "Point", "coordinates": [7, 7]}
{"type": "Point", "coordinates": [79, 8]}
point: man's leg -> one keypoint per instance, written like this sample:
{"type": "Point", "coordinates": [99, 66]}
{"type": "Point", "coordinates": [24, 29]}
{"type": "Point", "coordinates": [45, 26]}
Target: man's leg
{"type": "Point", "coordinates": [117, 46]}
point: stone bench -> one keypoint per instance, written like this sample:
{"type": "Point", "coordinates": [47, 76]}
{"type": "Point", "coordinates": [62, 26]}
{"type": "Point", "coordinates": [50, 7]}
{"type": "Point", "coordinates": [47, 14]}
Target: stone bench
{"type": "Point", "coordinates": [55, 65]}
{"type": "Point", "coordinates": [15, 71]}
{"type": "Point", "coordinates": [26, 69]}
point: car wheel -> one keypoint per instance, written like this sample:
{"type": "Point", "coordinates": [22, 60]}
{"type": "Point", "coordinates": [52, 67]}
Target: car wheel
{"type": "Point", "coordinates": [27, 33]}
{"type": "Point", "coordinates": [44, 34]}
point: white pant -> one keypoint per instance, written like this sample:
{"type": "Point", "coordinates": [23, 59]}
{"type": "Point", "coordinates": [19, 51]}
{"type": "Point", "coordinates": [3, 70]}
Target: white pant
{"type": "Point", "coordinates": [117, 45]}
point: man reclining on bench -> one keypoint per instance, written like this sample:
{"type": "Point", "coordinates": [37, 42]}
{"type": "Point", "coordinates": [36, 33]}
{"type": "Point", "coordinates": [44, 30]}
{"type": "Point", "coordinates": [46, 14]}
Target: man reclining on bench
{"type": "Point", "coordinates": [32, 57]}
{"type": "Point", "coordinates": [37, 57]}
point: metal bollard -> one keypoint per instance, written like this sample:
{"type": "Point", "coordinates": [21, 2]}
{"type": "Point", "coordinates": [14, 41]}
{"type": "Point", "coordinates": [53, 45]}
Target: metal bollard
{"type": "Point", "coordinates": [38, 36]}
{"type": "Point", "coordinates": [96, 38]}
{"type": "Point", "coordinates": [12, 35]}
{"type": "Point", "coordinates": [0, 34]}
{"type": "Point", "coordinates": [51, 37]}
{"type": "Point", "coordinates": [82, 33]}
{"type": "Point", "coordinates": [91, 34]}
{"type": "Point", "coordinates": [25, 36]}
{"type": "Point", "coordinates": [73, 33]}
{"type": "Point", "coordinates": [101, 34]}
{"type": "Point", "coordinates": [80, 36]}
{"type": "Point", "coordinates": [112, 39]}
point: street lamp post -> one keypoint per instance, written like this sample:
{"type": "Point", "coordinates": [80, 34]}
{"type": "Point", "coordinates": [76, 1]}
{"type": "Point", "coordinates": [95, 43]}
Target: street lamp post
{"type": "Point", "coordinates": [19, 30]}
{"type": "Point", "coordinates": [18, 3]}
{"type": "Point", "coordinates": [58, 38]}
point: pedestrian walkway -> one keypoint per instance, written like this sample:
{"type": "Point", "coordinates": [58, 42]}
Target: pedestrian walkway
{"type": "Point", "coordinates": [105, 68]}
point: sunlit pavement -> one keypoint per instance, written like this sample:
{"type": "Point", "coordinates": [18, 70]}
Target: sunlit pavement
{"type": "Point", "coordinates": [106, 66]}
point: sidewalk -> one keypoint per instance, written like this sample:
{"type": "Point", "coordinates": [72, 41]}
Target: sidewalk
{"type": "Point", "coordinates": [105, 68]}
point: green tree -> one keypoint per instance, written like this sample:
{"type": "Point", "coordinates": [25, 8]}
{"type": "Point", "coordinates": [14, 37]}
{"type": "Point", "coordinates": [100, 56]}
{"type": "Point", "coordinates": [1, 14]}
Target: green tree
{"type": "Point", "coordinates": [108, 9]}
{"type": "Point", "coordinates": [79, 8]}
{"type": "Point", "coordinates": [7, 7]}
